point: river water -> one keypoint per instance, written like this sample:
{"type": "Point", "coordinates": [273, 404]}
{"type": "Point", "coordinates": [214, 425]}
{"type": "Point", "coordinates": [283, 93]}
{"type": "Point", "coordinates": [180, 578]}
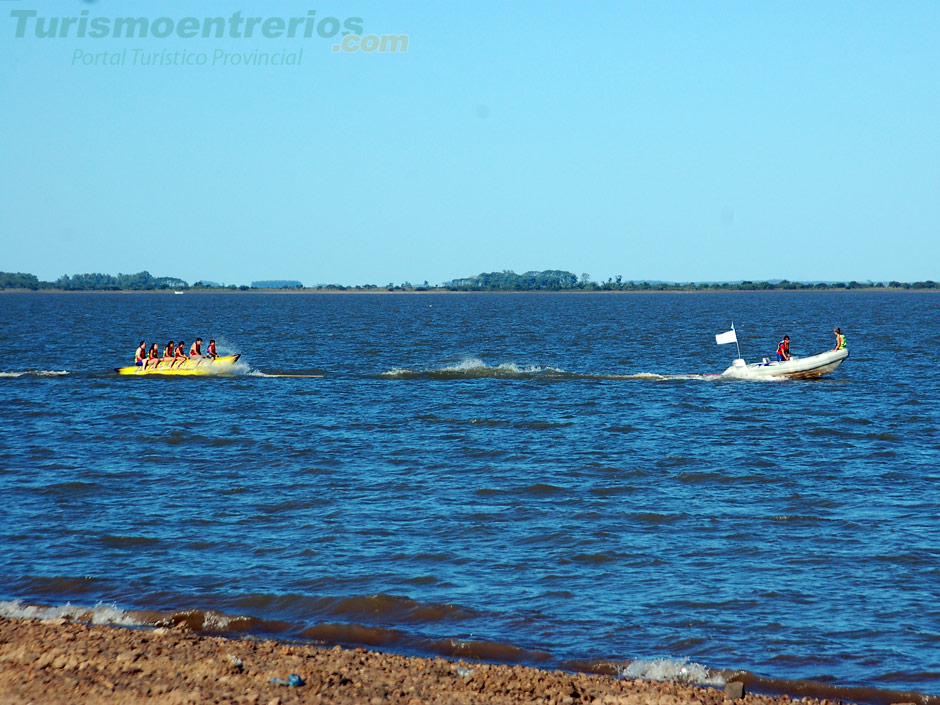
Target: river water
{"type": "Point", "coordinates": [552, 479]}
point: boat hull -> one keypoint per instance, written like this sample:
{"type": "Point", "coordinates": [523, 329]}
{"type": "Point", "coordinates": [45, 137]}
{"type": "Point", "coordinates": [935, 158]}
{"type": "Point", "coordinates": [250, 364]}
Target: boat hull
{"type": "Point", "coordinates": [799, 368]}
{"type": "Point", "coordinates": [191, 367]}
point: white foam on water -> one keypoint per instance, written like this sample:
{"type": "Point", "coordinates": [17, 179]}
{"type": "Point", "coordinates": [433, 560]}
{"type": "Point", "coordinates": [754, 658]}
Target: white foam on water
{"type": "Point", "coordinates": [99, 614]}
{"type": "Point", "coordinates": [399, 372]}
{"type": "Point", "coordinates": [239, 368]}
{"type": "Point", "coordinates": [35, 373]}
{"type": "Point", "coordinates": [475, 367]}
{"type": "Point", "coordinates": [216, 621]}
{"type": "Point", "coordinates": [678, 670]}
{"type": "Point", "coordinates": [656, 377]}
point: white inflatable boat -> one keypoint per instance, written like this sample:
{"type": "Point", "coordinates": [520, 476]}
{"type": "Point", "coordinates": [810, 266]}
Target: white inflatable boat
{"type": "Point", "coordinates": [794, 368]}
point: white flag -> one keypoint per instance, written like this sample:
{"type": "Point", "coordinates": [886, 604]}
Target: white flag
{"type": "Point", "coordinates": [729, 337]}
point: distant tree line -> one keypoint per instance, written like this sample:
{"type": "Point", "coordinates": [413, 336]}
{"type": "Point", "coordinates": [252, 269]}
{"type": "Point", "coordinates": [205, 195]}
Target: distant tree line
{"type": "Point", "coordinates": [549, 280]}
{"type": "Point", "coordinates": [556, 280]}
{"type": "Point", "coordinates": [507, 280]}
{"type": "Point", "coordinates": [18, 280]}
{"type": "Point", "coordinates": [277, 284]}
{"type": "Point", "coordinates": [142, 281]}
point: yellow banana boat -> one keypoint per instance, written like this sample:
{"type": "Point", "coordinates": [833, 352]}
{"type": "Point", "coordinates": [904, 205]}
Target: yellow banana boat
{"type": "Point", "coordinates": [189, 366]}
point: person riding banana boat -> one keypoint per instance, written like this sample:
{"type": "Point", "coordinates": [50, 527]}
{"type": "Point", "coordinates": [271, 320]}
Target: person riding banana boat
{"type": "Point", "coordinates": [176, 361]}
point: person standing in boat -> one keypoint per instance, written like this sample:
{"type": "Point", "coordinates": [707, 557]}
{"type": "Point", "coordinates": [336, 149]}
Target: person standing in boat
{"type": "Point", "coordinates": [783, 349]}
{"type": "Point", "coordinates": [140, 357]}
{"type": "Point", "coordinates": [210, 351]}
{"type": "Point", "coordinates": [840, 340]}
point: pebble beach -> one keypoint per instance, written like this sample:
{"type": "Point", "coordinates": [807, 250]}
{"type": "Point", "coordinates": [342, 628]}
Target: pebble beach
{"type": "Point", "coordinates": [58, 661]}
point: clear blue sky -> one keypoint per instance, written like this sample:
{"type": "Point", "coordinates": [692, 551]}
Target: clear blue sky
{"type": "Point", "coordinates": [655, 140]}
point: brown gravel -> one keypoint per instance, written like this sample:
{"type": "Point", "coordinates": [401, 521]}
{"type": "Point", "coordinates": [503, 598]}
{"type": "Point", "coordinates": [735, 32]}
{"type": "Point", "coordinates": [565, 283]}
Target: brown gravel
{"type": "Point", "coordinates": [56, 661]}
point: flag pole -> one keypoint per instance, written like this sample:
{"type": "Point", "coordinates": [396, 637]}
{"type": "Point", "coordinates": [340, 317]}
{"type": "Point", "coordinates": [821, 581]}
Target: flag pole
{"type": "Point", "coordinates": [736, 344]}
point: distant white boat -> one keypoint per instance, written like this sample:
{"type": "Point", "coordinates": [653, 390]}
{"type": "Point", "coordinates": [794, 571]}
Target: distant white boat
{"type": "Point", "coordinates": [177, 292]}
{"type": "Point", "coordinates": [794, 368]}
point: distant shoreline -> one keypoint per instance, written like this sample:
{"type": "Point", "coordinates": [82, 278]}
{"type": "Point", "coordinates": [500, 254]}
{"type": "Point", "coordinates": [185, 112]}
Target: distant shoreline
{"type": "Point", "coordinates": [460, 292]}
{"type": "Point", "coordinates": [552, 281]}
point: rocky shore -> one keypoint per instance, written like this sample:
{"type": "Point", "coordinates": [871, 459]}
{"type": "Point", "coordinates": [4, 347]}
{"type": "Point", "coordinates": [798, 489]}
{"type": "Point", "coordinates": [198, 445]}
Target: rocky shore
{"type": "Point", "coordinates": [57, 661]}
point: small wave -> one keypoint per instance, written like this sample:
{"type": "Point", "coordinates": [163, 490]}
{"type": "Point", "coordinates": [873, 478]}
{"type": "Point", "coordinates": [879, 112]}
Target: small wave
{"type": "Point", "coordinates": [34, 373]}
{"type": "Point", "coordinates": [541, 425]}
{"type": "Point", "coordinates": [131, 542]}
{"type": "Point", "coordinates": [537, 490]}
{"type": "Point", "coordinates": [797, 519]}
{"type": "Point", "coordinates": [543, 489]}
{"type": "Point", "coordinates": [476, 421]}
{"type": "Point", "coordinates": [209, 621]}
{"type": "Point", "coordinates": [354, 634]}
{"type": "Point", "coordinates": [823, 432]}
{"type": "Point", "coordinates": [99, 614]}
{"type": "Point", "coordinates": [859, 421]}
{"type": "Point", "coordinates": [707, 478]}
{"type": "Point", "coordinates": [392, 609]}
{"type": "Point", "coordinates": [829, 691]}
{"type": "Point", "coordinates": [488, 651]}
{"type": "Point", "coordinates": [882, 437]}
{"type": "Point", "coordinates": [678, 670]}
{"type": "Point", "coordinates": [470, 368]}
{"type": "Point", "coordinates": [655, 517]}
{"type": "Point", "coordinates": [622, 429]}
{"type": "Point", "coordinates": [594, 558]}
{"type": "Point", "coordinates": [67, 489]}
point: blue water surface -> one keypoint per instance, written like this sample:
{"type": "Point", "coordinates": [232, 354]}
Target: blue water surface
{"type": "Point", "coordinates": [544, 478]}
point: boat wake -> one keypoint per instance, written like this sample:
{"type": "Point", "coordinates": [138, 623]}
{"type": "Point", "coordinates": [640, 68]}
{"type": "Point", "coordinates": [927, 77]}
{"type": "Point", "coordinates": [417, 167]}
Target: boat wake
{"type": "Point", "coordinates": [655, 377]}
{"type": "Point", "coordinates": [33, 373]}
{"type": "Point", "coordinates": [301, 374]}
{"type": "Point", "coordinates": [474, 368]}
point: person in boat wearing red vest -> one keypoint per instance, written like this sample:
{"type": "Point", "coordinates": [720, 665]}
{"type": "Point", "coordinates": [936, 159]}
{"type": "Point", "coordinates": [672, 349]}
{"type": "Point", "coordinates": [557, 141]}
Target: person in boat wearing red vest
{"type": "Point", "coordinates": [179, 353]}
{"type": "Point", "coordinates": [210, 351]}
{"type": "Point", "coordinates": [195, 351]}
{"type": "Point", "coordinates": [140, 357]}
{"type": "Point", "coordinates": [783, 349]}
{"type": "Point", "coordinates": [152, 359]}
